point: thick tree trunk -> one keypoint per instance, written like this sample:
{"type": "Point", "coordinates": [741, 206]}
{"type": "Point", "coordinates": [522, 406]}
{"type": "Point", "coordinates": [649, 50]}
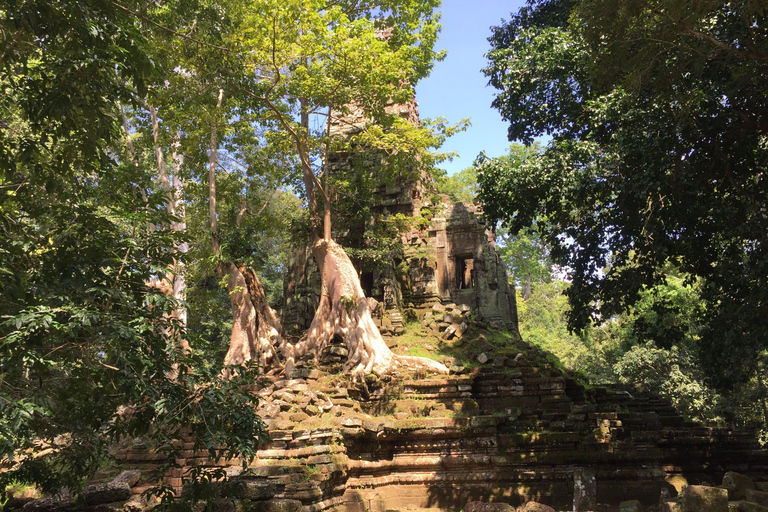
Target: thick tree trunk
{"type": "Point", "coordinates": [344, 312]}
{"type": "Point", "coordinates": [256, 333]}
{"type": "Point", "coordinates": [343, 309]}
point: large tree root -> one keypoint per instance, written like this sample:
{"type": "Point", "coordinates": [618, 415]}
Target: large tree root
{"type": "Point", "coordinates": [343, 311]}
{"type": "Point", "coordinates": [257, 332]}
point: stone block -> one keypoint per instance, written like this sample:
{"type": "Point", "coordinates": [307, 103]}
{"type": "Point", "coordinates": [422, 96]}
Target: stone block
{"type": "Point", "coordinates": [670, 506]}
{"type": "Point", "coordinates": [533, 506]}
{"type": "Point", "coordinates": [630, 506]}
{"type": "Point", "coordinates": [260, 489]}
{"type": "Point", "coordinates": [482, 358]}
{"type": "Point", "coordinates": [277, 505]}
{"type": "Point", "coordinates": [737, 485]}
{"type": "Point", "coordinates": [481, 506]}
{"type": "Point", "coordinates": [49, 504]}
{"type": "Point", "coordinates": [130, 477]}
{"type": "Point", "coordinates": [584, 490]}
{"type": "Point", "coordinates": [96, 494]}
{"type": "Point", "coordinates": [755, 496]}
{"type": "Point", "coordinates": [699, 498]}
{"type": "Point", "coordinates": [748, 506]}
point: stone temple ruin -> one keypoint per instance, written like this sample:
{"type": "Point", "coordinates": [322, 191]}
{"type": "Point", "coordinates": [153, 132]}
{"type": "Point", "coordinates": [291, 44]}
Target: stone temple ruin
{"type": "Point", "coordinates": [506, 430]}
{"type": "Point", "coordinates": [449, 258]}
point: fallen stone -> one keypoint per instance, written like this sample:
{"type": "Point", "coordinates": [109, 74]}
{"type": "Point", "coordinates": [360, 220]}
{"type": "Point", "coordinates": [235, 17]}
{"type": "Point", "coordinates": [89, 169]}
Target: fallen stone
{"type": "Point", "coordinates": [482, 358]}
{"type": "Point", "coordinates": [699, 498]}
{"type": "Point", "coordinates": [748, 506]}
{"type": "Point", "coordinates": [353, 422]}
{"type": "Point", "coordinates": [16, 503]}
{"type": "Point", "coordinates": [130, 477]}
{"type": "Point", "coordinates": [533, 506]}
{"type": "Point", "coordinates": [298, 417]}
{"type": "Point", "coordinates": [481, 506]}
{"type": "Point", "coordinates": [755, 496]}
{"type": "Point", "coordinates": [134, 505]}
{"type": "Point", "coordinates": [630, 506]}
{"type": "Point", "coordinates": [669, 506]}
{"type": "Point", "coordinates": [96, 494]}
{"type": "Point", "coordinates": [737, 485]}
{"type": "Point", "coordinates": [49, 504]}
{"type": "Point", "coordinates": [438, 308]}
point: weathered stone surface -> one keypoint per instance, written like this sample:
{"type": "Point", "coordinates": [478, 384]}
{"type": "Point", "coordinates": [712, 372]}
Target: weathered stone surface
{"type": "Point", "coordinates": [670, 506]}
{"type": "Point", "coordinates": [277, 505]}
{"type": "Point", "coordinates": [630, 506]}
{"type": "Point", "coordinates": [533, 506]}
{"type": "Point", "coordinates": [699, 498]}
{"type": "Point", "coordinates": [260, 489]}
{"type": "Point", "coordinates": [16, 503]}
{"type": "Point", "coordinates": [49, 504]}
{"type": "Point", "coordinates": [737, 485]}
{"type": "Point", "coordinates": [96, 494]}
{"type": "Point", "coordinates": [584, 490]}
{"type": "Point", "coordinates": [748, 506]}
{"type": "Point", "coordinates": [130, 477]}
{"type": "Point", "coordinates": [481, 506]}
{"type": "Point", "coordinates": [756, 496]}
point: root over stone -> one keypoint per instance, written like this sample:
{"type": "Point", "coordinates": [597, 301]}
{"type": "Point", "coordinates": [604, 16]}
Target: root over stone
{"type": "Point", "coordinates": [256, 332]}
{"type": "Point", "coordinates": [343, 311]}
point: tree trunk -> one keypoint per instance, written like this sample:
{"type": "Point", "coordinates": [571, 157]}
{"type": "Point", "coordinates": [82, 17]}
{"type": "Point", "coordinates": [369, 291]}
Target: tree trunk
{"type": "Point", "coordinates": [179, 282]}
{"type": "Point", "coordinates": [343, 311]}
{"type": "Point", "coordinates": [173, 198]}
{"type": "Point", "coordinates": [256, 330]}
{"type": "Point", "coordinates": [256, 333]}
{"type": "Point", "coordinates": [527, 287]}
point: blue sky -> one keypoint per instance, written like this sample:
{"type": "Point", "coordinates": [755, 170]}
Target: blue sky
{"type": "Point", "coordinates": [457, 88]}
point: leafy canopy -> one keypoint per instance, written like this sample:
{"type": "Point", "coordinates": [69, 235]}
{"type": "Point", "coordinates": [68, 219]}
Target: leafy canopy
{"type": "Point", "coordinates": [658, 117]}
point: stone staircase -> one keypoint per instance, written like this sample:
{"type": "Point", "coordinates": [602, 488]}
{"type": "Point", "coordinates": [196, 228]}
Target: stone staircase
{"type": "Point", "coordinates": [513, 432]}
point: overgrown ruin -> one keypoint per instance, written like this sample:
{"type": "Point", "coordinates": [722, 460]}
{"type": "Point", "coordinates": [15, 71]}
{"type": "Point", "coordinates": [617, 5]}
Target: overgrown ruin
{"type": "Point", "coordinates": [449, 256]}
{"type": "Point", "coordinates": [506, 426]}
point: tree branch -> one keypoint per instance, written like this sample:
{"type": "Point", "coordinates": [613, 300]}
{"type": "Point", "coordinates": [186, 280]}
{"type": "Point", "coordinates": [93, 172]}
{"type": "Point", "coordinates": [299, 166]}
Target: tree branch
{"type": "Point", "coordinates": [167, 29]}
{"type": "Point", "coordinates": [707, 37]}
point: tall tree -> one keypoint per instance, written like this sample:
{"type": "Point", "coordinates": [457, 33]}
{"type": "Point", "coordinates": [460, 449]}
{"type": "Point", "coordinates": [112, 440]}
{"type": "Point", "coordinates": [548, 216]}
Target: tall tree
{"type": "Point", "coordinates": [88, 352]}
{"type": "Point", "coordinates": [658, 154]}
{"type": "Point", "coordinates": [327, 59]}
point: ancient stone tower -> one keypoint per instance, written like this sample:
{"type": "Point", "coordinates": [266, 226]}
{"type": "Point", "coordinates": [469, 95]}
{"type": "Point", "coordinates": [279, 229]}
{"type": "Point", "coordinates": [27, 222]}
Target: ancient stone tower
{"type": "Point", "coordinates": [449, 256]}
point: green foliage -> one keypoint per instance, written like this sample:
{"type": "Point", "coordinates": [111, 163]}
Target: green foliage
{"type": "Point", "coordinates": [652, 347]}
{"type": "Point", "coordinates": [657, 155]}
{"type": "Point", "coordinates": [460, 187]}
{"type": "Point", "coordinates": [89, 353]}
{"type": "Point", "coordinates": [541, 323]}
